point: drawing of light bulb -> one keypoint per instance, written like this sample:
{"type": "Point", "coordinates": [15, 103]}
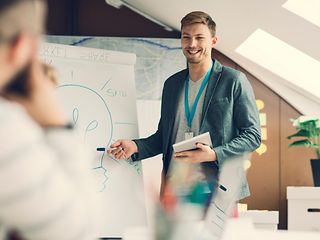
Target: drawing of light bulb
{"type": "Point", "coordinates": [91, 126]}
{"type": "Point", "coordinates": [75, 116]}
{"type": "Point", "coordinates": [91, 117]}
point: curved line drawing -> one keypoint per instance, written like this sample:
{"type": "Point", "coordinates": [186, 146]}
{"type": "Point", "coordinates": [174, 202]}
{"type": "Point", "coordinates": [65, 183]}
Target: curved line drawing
{"type": "Point", "coordinates": [136, 165]}
{"type": "Point", "coordinates": [115, 160]}
{"type": "Point", "coordinates": [104, 183]}
{"type": "Point", "coordinates": [93, 125]}
{"type": "Point", "coordinates": [82, 40]}
{"type": "Point", "coordinates": [101, 98]}
{"type": "Point", "coordinates": [75, 115]}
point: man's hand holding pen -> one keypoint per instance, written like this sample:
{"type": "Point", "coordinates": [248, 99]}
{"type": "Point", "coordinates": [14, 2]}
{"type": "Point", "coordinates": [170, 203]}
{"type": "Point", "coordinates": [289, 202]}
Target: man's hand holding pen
{"type": "Point", "coordinates": [123, 149]}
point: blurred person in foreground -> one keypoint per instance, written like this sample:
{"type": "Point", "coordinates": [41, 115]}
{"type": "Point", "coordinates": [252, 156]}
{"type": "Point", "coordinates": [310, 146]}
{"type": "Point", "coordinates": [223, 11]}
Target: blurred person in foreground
{"type": "Point", "coordinates": [45, 188]}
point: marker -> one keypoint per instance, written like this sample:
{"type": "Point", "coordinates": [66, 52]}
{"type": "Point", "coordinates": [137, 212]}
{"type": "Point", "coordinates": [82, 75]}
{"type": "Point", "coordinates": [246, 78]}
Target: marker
{"type": "Point", "coordinates": [223, 188]}
{"type": "Point", "coordinates": [218, 185]}
{"type": "Point", "coordinates": [103, 149]}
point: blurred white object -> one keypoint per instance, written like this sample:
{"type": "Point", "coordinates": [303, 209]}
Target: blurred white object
{"type": "Point", "coordinates": [301, 119]}
{"type": "Point", "coordinates": [303, 208]}
{"type": "Point", "coordinates": [137, 233]}
{"type": "Point", "coordinates": [238, 229]}
{"type": "Point", "coordinates": [242, 207]}
{"type": "Point", "coordinates": [224, 200]}
{"type": "Point", "coordinates": [242, 229]}
{"type": "Point", "coordinates": [262, 219]}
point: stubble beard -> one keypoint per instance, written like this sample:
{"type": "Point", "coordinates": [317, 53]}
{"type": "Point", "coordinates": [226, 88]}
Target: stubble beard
{"type": "Point", "coordinates": [203, 55]}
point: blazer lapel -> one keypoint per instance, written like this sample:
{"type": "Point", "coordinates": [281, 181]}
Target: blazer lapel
{"type": "Point", "coordinates": [176, 94]}
{"type": "Point", "coordinates": [212, 84]}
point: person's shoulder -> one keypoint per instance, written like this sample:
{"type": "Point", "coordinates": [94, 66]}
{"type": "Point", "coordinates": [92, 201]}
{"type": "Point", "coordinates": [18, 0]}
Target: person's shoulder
{"type": "Point", "coordinates": [231, 72]}
{"type": "Point", "coordinates": [9, 109]}
{"type": "Point", "coordinates": [14, 116]}
{"type": "Point", "coordinates": [178, 75]}
{"type": "Point", "coordinates": [233, 75]}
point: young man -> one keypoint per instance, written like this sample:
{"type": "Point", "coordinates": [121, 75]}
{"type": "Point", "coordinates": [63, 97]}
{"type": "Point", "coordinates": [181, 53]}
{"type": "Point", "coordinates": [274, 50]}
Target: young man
{"type": "Point", "coordinates": [44, 192]}
{"type": "Point", "coordinates": [205, 97]}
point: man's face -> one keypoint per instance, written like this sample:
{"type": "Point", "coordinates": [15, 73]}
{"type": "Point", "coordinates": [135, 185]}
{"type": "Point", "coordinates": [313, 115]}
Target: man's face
{"type": "Point", "coordinates": [197, 43]}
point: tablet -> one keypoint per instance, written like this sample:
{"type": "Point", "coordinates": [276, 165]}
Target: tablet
{"type": "Point", "coordinates": [191, 143]}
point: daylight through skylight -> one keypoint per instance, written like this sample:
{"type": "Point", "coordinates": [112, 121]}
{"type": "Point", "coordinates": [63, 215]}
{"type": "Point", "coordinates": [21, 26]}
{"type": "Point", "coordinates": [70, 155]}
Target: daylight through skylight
{"type": "Point", "coordinates": [282, 59]}
{"type": "Point", "coordinates": [309, 10]}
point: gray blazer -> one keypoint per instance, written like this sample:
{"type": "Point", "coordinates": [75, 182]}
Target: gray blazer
{"type": "Point", "coordinates": [229, 114]}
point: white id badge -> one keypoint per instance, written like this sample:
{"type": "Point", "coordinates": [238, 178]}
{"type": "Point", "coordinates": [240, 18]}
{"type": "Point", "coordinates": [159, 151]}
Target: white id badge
{"type": "Point", "coordinates": [188, 135]}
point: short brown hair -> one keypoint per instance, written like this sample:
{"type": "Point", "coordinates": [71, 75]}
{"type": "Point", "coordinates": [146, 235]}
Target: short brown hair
{"type": "Point", "coordinates": [50, 73]}
{"type": "Point", "coordinates": [199, 17]}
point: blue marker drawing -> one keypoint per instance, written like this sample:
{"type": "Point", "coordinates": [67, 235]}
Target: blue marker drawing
{"type": "Point", "coordinates": [155, 44]}
{"type": "Point", "coordinates": [91, 126]}
{"type": "Point", "coordinates": [95, 122]}
{"type": "Point", "coordinates": [75, 116]}
{"type": "Point", "coordinates": [136, 165]}
{"type": "Point", "coordinates": [109, 79]}
{"type": "Point", "coordinates": [104, 183]}
{"type": "Point", "coordinates": [81, 41]}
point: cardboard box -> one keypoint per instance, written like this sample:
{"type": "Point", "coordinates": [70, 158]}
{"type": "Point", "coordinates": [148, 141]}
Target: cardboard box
{"type": "Point", "coordinates": [262, 219]}
{"type": "Point", "coordinates": [303, 208]}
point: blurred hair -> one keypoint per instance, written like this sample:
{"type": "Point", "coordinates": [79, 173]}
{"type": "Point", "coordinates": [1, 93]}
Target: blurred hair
{"type": "Point", "coordinates": [18, 16]}
{"type": "Point", "coordinates": [50, 72]}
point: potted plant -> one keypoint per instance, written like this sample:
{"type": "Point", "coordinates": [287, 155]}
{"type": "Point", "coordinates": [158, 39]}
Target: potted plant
{"type": "Point", "coordinates": [309, 134]}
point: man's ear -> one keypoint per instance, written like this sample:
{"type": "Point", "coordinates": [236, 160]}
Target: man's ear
{"type": "Point", "coordinates": [21, 51]}
{"type": "Point", "coordinates": [214, 41]}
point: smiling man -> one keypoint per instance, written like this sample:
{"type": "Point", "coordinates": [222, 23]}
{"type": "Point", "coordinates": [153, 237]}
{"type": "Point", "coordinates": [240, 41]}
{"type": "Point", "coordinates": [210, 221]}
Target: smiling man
{"type": "Point", "coordinates": [205, 97]}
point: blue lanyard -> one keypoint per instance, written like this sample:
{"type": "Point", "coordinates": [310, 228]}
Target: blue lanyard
{"type": "Point", "coordinates": [190, 115]}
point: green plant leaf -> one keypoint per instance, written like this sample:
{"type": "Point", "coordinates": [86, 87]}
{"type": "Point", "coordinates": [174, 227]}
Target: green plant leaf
{"type": "Point", "coordinates": [304, 142]}
{"type": "Point", "coordinates": [300, 133]}
{"type": "Point", "coordinates": [314, 145]}
{"type": "Point", "coordinates": [308, 125]}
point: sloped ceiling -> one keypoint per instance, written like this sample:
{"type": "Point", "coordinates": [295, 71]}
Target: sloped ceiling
{"type": "Point", "coordinates": [239, 20]}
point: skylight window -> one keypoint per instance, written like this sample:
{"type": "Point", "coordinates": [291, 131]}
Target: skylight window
{"type": "Point", "coordinates": [309, 10]}
{"type": "Point", "coordinates": [282, 59]}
